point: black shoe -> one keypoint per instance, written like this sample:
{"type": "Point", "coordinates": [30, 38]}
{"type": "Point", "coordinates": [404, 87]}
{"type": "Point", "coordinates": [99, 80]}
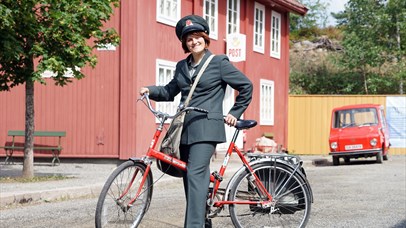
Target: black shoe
{"type": "Point", "coordinates": [207, 223]}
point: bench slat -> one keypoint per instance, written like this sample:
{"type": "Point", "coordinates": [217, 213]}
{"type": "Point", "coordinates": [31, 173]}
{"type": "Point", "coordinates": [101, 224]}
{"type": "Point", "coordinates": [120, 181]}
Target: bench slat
{"type": "Point", "coordinates": [47, 148]}
{"type": "Point", "coordinates": [38, 133]}
{"type": "Point", "coordinates": [35, 148]}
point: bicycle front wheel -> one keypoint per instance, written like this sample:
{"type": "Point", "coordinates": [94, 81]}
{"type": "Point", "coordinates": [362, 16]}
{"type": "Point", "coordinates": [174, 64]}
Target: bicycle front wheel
{"type": "Point", "coordinates": [291, 201]}
{"type": "Point", "coordinates": [113, 207]}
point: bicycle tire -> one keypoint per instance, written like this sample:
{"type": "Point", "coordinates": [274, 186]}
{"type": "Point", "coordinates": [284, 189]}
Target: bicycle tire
{"type": "Point", "coordinates": [291, 198]}
{"type": "Point", "coordinates": [114, 212]}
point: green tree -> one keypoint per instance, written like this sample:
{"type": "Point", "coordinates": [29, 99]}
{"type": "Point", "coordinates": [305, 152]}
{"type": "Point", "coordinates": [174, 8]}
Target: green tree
{"type": "Point", "coordinates": [373, 39]}
{"type": "Point", "coordinates": [317, 73]}
{"type": "Point", "coordinates": [56, 35]}
{"type": "Point", "coordinates": [340, 17]}
{"type": "Point", "coordinates": [316, 16]}
{"type": "Point", "coordinates": [395, 42]}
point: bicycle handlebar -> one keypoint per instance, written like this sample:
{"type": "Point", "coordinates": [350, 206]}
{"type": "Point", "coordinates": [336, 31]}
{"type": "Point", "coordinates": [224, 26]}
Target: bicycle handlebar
{"type": "Point", "coordinates": [163, 115]}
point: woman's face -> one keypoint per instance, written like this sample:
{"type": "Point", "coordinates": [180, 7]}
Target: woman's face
{"type": "Point", "coordinates": [195, 44]}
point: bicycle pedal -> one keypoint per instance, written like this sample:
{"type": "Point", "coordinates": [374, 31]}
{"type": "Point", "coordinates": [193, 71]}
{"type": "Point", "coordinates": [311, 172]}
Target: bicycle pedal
{"type": "Point", "coordinates": [217, 176]}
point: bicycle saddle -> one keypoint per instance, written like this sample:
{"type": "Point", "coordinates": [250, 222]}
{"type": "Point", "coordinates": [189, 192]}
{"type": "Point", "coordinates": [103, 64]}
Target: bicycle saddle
{"type": "Point", "coordinates": [245, 124]}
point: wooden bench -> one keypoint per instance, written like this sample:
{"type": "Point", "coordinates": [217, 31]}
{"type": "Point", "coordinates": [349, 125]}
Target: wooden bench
{"type": "Point", "coordinates": [268, 135]}
{"type": "Point", "coordinates": [13, 146]}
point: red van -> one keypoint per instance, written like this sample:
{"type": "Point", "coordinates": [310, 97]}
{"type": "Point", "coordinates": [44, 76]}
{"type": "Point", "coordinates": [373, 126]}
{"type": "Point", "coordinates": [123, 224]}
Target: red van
{"type": "Point", "coordinates": [359, 131]}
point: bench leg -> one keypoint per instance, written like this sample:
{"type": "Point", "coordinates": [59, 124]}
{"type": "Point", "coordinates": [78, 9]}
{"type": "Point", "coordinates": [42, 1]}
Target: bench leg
{"type": "Point", "coordinates": [9, 156]}
{"type": "Point", "coordinates": [55, 155]}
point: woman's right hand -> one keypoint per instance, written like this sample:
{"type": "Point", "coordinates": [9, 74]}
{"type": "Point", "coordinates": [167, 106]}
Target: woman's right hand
{"type": "Point", "coordinates": [143, 90]}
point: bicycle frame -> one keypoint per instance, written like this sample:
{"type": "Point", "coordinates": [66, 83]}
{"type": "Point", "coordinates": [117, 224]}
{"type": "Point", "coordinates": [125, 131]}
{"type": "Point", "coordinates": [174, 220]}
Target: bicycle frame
{"type": "Point", "coordinates": [215, 177]}
{"type": "Point", "coordinates": [217, 180]}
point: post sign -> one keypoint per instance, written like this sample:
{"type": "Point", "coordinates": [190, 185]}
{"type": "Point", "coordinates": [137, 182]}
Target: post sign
{"type": "Point", "coordinates": [236, 47]}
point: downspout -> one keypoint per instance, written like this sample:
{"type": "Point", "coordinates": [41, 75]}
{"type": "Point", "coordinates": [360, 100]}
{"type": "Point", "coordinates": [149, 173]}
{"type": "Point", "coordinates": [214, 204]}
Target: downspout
{"type": "Point", "coordinates": [287, 67]}
{"type": "Point", "coordinates": [120, 75]}
{"type": "Point", "coordinates": [195, 2]}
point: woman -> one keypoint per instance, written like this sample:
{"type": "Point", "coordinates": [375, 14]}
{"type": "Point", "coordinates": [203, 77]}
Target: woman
{"type": "Point", "coordinates": [201, 132]}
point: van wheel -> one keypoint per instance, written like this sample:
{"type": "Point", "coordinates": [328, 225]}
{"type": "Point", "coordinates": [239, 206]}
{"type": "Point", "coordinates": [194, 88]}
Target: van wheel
{"type": "Point", "coordinates": [379, 157]}
{"type": "Point", "coordinates": [336, 160]}
{"type": "Point", "coordinates": [385, 157]}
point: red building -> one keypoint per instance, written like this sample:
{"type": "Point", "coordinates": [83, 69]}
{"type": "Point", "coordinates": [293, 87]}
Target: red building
{"type": "Point", "coordinates": [100, 113]}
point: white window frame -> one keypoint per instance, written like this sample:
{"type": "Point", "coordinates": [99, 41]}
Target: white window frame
{"type": "Point", "coordinates": [259, 28]}
{"type": "Point", "coordinates": [211, 17]}
{"type": "Point", "coordinates": [267, 102]}
{"type": "Point", "coordinates": [276, 35]}
{"type": "Point", "coordinates": [168, 68]}
{"type": "Point", "coordinates": [233, 16]}
{"type": "Point", "coordinates": [168, 17]}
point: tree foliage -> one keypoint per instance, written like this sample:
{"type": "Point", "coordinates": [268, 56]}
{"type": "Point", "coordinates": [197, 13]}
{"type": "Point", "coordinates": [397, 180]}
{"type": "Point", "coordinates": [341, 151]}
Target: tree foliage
{"type": "Point", "coordinates": [374, 40]}
{"type": "Point", "coordinates": [372, 60]}
{"type": "Point", "coordinates": [308, 25]}
{"type": "Point", "coordinates": [49, 35]}
{"type": "Point", "coordinates": [323, 75]}
{"type": "Point", "coordinates": [55, 33]}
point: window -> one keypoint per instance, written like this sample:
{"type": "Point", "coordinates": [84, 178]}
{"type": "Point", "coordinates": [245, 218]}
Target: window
{"type": "Point", "coordinates": [383, 118]}
{"type": "Point", "coordinates": [267, 102]}
{"type": "Point", "coordinates": [233, 16]}
{"type": "Point", "coordinates": [210, 13]}
{"type": "Point", "coordinates": [164, 74]}
{"type": "Point", "coordinates": [355, 117]}
{"type": "Point", "coordinates": [276, 35]}
{"type": "Point", "coordinates": [168, 11]}
{"type": "Point", "coordinates": [259, 28]}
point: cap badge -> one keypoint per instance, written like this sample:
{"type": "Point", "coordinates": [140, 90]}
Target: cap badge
{"type": "Point", "coordinates": [188, 22]}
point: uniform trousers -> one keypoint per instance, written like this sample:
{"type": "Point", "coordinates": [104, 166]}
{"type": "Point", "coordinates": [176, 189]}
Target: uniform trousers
{"type": "Point", "coordinates": [196, 181]}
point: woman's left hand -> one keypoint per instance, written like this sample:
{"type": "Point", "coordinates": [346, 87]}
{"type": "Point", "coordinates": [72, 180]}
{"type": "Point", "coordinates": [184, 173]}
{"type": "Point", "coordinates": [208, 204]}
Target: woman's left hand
{"type": "Point", "coordinates": [230, 120]}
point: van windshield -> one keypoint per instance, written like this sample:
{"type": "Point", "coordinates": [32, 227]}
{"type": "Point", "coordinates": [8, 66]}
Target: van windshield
{"type": "Point", "coordinates": [355, 118]}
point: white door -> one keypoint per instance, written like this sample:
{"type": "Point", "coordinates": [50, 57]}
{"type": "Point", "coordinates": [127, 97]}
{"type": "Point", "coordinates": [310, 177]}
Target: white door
{"type": "Point", "coordinates": [228, 102]}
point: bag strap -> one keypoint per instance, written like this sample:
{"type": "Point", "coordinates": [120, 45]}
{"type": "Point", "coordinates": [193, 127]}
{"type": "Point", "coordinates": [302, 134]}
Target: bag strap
{"type": "Point", "coordinates": [197, 79]}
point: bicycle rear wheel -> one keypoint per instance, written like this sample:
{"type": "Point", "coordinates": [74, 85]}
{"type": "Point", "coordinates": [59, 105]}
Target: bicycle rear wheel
{"type": "Point", "coordinates": [291, 198]}
{"type": "Point", "coordinates": [113, 208]}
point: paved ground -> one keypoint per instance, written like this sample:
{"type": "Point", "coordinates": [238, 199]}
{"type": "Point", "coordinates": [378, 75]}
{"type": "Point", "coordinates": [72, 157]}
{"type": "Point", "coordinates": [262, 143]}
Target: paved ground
{"type": "Point", "coordinates": [359, 194]}
{"type": "Point", "coordinates": [88, 177]}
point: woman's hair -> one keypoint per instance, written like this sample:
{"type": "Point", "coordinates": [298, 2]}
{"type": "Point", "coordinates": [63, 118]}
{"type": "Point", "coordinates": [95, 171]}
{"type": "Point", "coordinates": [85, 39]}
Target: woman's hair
{"type": "Point", "coordinates": [201, 34]}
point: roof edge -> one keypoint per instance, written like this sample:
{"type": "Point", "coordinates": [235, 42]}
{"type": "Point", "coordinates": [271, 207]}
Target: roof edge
{"type": "Point", "coordinates": [292, 5]}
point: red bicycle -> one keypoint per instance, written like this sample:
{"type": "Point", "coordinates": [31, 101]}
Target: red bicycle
{"type": "Point", "coordinates": [267, 191]}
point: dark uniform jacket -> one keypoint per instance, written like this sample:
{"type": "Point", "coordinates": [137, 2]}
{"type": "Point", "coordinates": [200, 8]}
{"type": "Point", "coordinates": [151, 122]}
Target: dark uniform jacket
{"type": "Point", "coordinates": [209, 95]}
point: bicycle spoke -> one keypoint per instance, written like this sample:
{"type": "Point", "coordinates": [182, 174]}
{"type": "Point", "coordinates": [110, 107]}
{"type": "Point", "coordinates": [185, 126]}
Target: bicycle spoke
{"type": "Point", "coordinates": [113, 208]}
{"type": "Point", "coordinates": [290, 206]}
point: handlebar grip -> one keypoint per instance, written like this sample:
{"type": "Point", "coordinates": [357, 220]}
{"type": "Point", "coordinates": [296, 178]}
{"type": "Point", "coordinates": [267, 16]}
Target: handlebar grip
{"type": "Point", "coordinates": [201, 110]}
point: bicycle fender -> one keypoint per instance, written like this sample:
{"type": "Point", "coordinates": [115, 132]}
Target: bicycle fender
{"type": "Point", "coordinates": [142, 161]}
{"type": "Point", "coordinates": [139, 160]}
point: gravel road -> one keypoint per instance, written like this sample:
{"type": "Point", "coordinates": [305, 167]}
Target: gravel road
{"type": "Point", "coordinates": [359, 194]}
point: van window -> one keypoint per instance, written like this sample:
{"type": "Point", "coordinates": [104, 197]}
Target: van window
{"type": "Point", "coordinates": [355, 117]}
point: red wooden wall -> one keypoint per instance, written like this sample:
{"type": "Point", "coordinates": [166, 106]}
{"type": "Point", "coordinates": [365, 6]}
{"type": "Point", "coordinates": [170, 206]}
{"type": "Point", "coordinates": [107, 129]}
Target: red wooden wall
{"type": "Point", "coordinates": [100, 113]}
